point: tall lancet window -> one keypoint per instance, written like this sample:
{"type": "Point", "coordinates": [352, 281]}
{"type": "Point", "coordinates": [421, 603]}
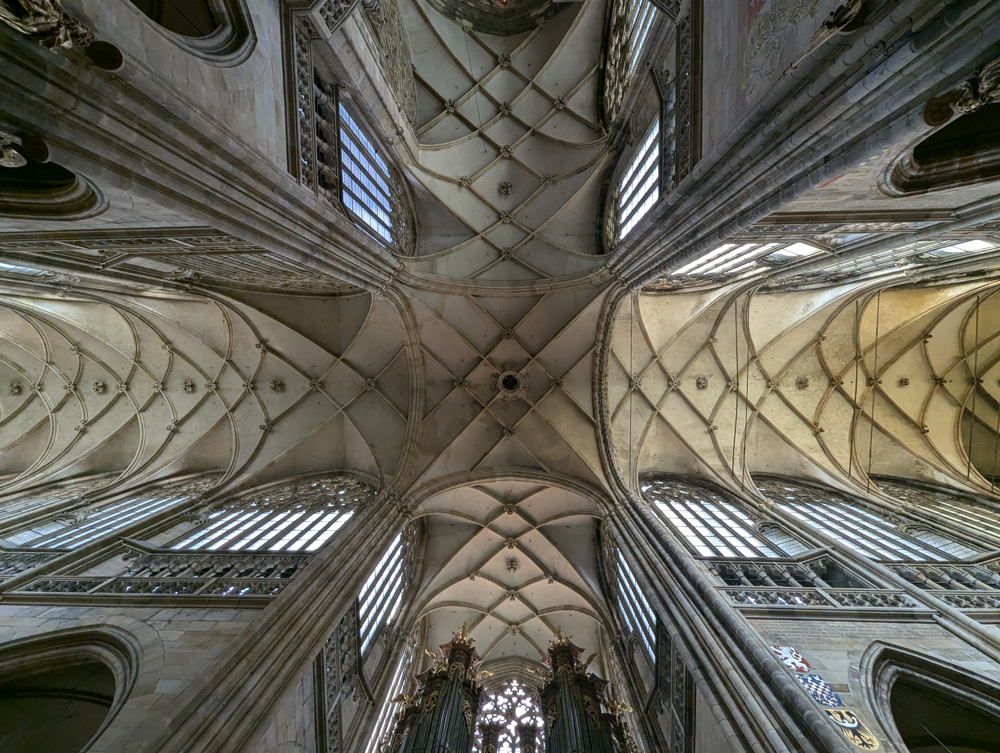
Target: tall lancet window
{"type": "Point", "coordinates": [382, 594]}
{"type": "Point", "coordinates": [863, 530]}
{"type": "Point", "coordinates": [367, 184]}
{"type": "Point", "coordinates": [710, 524]}
{"type": "Point", "coordinates": [639, 186]}
{"type": "Point", "coordinates": [635, 610]}
{"type": "Point", "coordinates": [298, 517]}
{"type": "Point", "coordinates": [510, 706]}
{"type": "Point", "coordinates": [80, 526]}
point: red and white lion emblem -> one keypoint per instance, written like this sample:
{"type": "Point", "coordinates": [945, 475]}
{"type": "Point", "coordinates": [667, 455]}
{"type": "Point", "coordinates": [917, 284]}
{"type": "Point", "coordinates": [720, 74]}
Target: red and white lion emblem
{"type": "Point", "coordinates": [791, 658]}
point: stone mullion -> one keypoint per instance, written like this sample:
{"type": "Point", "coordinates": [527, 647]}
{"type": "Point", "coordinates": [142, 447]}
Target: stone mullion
{"type": "Point", "coordinates": [227, 708]}
{"type": "Point", "coordinates": [175, 157]}
{"type": "Point", "coordinates": [727, 190]}
{"type": "Point", "coordinates": [730, 662]}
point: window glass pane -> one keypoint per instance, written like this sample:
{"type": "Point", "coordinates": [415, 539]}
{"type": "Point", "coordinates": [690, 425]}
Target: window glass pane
{"type": "Point", "coordinates": [639, 185]}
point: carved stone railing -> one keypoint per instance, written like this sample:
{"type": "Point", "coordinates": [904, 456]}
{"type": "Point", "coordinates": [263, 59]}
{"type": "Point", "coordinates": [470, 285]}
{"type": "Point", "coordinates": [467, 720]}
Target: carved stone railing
{"type": "Point", "coordinates": [156, 586]}
{"type": "Point", "coordinates": [978, 576]}
{"type": "Point", "coordinates": [799, 598]}
{"type": "Point", "coordinates": [970, 599]}
{"type": "Point", "coordinates": [810, 569]}
{"type": "Point", "coordinates": [144, 562]}
{"type": "Point", "coordinates": [14, 561]}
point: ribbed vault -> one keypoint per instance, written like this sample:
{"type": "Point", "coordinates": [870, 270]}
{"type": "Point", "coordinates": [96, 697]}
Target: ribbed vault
{"type": "Point", "coordinates": [154, 385]}
{"type": "Point", "coordinates": [511, 151]}
{"type": "Point", "coordinates": [842, 380]}
{"type": "Point", "coordinates": [514, 560]}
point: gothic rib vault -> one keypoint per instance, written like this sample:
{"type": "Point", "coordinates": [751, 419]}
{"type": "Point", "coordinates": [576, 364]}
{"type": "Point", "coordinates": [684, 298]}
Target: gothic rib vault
{"type": "Point", "coordinates": [500, 347]}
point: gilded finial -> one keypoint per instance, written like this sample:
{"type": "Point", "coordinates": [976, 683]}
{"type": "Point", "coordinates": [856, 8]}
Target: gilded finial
{"type": "Point", "coordinates": [560, 638]}
{"type": "Point", "coordinates": [462, 636]}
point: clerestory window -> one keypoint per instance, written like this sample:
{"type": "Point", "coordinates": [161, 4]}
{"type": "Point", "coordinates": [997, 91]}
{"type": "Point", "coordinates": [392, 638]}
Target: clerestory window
{"type": "Point", "coordinates": [639, 186]}
{"type": "Point", "coordinates": [862, 530]}
{"type": "Point", "coordinates": [710, 524]}
{"type": "Point", "coordinates": [635, 610]}
{"type": "Point", "coordinates": [299, 517]}
{"type": "Point", "coordinates": [81, 526]}
{"type": "Point", "coordinates": [367, 184]}
{"type": "Point", "coordinates": [728, 259]}
{"type": "Point", "coordinates": [382, 593]}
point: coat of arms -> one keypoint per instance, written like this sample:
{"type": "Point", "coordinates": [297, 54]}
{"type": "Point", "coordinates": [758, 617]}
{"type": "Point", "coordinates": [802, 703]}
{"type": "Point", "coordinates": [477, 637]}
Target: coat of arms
{"type": "Point", "coordinates": [820, 690]}
{"type": "Point", "coordinates": [791, 658]}
{"type": "Point", "coordinates": [854, 729]}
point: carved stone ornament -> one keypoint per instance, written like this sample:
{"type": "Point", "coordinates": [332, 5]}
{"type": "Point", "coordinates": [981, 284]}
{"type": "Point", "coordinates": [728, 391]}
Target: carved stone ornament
{"type": "Point", "coordinates": [506, 188]}
{"type": "Point", "coordinates": [187, 385]}
{"type": "Point", "coordinates": [802, 383]}
{"type": "Point", "coordinates": [9, 156]}
{"type": "Point", "coordinates": [701, 383]}
{"type": "Point", "coordinates": [510, 382]}
{"type": "Point", "coordinates": [14, 388]}
{"type": "Point", "coordinates": [505, 108]}
{"type": "Point", "coordinates": [46, 22]}
{"type": "Point", "coordinates": [506, 151]}
{"type": "Point", "coordinates": [100, 387]}
{"type": "Point", "coordinates": [277, 385]}
{"type": "Point", "coordinates": [982, 88]}
{"type": "Point", "coordinates": [513, 565]}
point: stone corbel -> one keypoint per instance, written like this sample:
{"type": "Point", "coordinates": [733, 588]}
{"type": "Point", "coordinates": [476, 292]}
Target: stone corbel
{"type": "Point", "coordinates": [982, 88]}
{"type": "Point", "coordinates": [46, 22]}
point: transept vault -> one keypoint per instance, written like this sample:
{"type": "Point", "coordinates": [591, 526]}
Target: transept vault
{"type": "Point", "coordinates": [494, 376]}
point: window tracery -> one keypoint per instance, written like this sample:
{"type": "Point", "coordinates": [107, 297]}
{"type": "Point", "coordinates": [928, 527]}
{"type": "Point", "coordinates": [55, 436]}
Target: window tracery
{"type": "Point", "coordinates": [302, 516]}
{"type": "Point", "coordinates": [78, 527]}
{"type": "Point", "coordinates": [61, 493]}
{"type": "Point", "coordinates": [631, 23]}
{"type": "Point", "coordinates": [729, 259]}
{"type": "Point", "coordinates": [638, 188]}
{"type": "Point", "coordinates": [382, 594]}
{"type": "Point", "coordinates": [710, 524]}
{"type": "Point", "coordinates": [510, 706]}
{"type": "Point", "coordinates": [864, 531]}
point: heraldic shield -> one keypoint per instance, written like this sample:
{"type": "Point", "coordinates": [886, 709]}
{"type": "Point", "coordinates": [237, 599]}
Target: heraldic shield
{"type": "Point", "coordinates": [791, 658]}
{"type": "Point", "coordinates": [854, 729]}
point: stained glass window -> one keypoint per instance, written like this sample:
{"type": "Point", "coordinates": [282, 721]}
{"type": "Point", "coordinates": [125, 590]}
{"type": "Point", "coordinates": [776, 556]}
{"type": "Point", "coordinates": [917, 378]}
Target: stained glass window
{"type": "Point", "coordinates": [511, 705]}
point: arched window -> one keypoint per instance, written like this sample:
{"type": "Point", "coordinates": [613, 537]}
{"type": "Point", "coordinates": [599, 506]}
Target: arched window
{"type": "Point", "coordinates": [382, 593]}
{"type": "Point", "coordinates": [297, 517]}
{"type": "Point", "coordinates": [729, 259]}
{"type": "Point", "coordinates": [963, 511]}
{"type": "Point", "coordinates": [50, 497]}
{"type": "Point", "coordinates": [510, 706]}
{"type": "Point", "coordinates": [964, 151]}
{"type": "Point", "coordinates": [862, 530]}
{"type": "Point", "coordinates": [82, 525]}
{"type": "Point", "coordinates": [711, 525]}
{"type": "Point", "coordinates": [189, 18]}
{"type": "Point", "coordinates": [216, 30]}
{"type": "Point", "coordinates": [638, 187]}
{"type": "Point", "coordinates": [369, 189]}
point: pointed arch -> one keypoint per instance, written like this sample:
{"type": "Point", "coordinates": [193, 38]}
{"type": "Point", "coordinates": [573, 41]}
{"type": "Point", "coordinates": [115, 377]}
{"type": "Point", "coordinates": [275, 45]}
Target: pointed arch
{"type": "Point", "coordinates": [966, 705]}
